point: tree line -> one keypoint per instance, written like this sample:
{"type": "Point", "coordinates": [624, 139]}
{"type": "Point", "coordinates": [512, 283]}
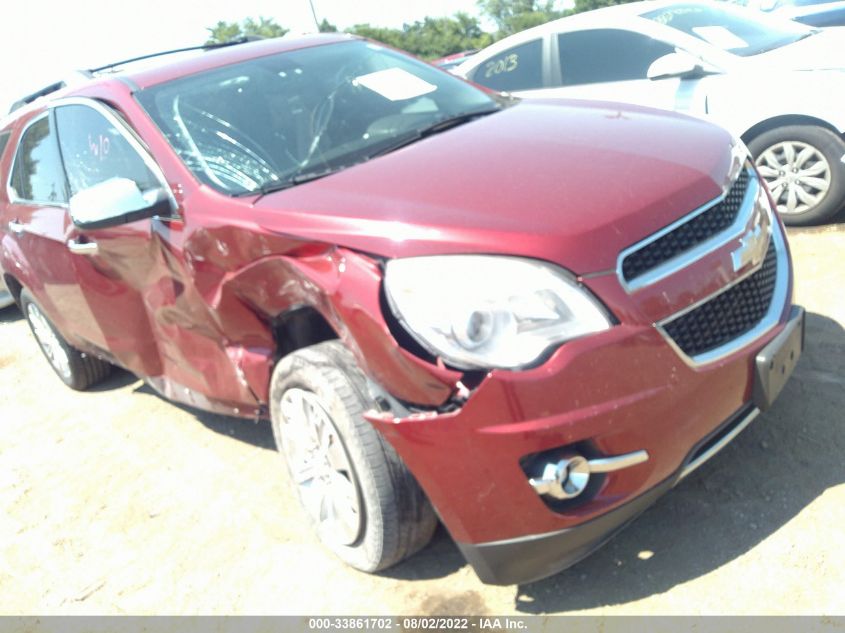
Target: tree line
{"type": "Point", "coordinates": [430, 38]}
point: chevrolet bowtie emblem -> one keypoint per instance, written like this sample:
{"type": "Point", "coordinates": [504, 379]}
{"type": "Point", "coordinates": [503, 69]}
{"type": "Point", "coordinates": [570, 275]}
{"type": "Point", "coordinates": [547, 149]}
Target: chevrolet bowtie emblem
{"type": "Point", "coordinates": [752, 247]}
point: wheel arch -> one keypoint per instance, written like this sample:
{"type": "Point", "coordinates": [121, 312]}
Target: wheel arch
{"type": "Point", "coordinates": [14, 286]}
{"type": "Point", "coordinates": [300, 326]}
{"type": "Point", "coordinates": [283, 303]}
{"type": "Point", "coordinates": [783, 120]}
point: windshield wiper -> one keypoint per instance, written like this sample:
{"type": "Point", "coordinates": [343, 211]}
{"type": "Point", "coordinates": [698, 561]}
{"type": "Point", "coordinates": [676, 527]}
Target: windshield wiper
{"type": "Point", "coordinates": [441, 125]}
{"type": "Point", "coordinates": [297, 179]}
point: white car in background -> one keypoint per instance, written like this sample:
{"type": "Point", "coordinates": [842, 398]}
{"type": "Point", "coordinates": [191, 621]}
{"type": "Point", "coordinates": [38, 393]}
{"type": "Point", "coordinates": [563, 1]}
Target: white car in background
{"type": "Point", "coordinates": [778, 85]}
{"type": "Point", "coordinates": [824, 14]}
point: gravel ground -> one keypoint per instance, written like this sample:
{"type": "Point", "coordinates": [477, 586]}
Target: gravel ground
{"type": "Point", "coordinates": [118, 502]}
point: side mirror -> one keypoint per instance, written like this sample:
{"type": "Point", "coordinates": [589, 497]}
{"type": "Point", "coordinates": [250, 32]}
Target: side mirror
{"type": "Point", "coordinates": [117, 201]}
{"type": "Point", "coordinates": [680, 64]}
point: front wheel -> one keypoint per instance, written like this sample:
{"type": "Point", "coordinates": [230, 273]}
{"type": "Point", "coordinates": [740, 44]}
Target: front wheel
{"type": "Point", "coordinates": [362, 501]}
{"type": "Point", "coordinates": [802, 166]}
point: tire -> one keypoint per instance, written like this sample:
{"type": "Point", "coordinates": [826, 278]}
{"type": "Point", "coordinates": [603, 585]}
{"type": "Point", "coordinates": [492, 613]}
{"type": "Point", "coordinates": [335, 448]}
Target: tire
{"type": "Point", "coordinates": [318, 396]}
{"type": "Point", "coordinates": [76, 369]}
{"type": "Point", "coordinates": [817, 154]}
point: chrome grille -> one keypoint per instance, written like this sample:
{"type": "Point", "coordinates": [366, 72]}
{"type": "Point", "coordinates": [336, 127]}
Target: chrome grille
{"type": "Point", "coordinates": [729, 314]}
{"type": "Point", "coordinates": [688, 235]}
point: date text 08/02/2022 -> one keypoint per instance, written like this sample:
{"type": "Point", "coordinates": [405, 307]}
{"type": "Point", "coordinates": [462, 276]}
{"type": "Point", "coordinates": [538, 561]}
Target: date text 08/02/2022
{"type": "Point", "coordinates": [436, 623]}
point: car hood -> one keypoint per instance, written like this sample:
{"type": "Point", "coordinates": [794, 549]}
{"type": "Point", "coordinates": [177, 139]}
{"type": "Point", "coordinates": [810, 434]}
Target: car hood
{"type": "Point", "coordinates": [565, 181]}
{"type": "Point", "coordinates": [824, 50]}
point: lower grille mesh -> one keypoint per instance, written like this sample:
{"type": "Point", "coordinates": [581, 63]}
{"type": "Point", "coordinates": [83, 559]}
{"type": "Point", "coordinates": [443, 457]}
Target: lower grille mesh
{"type": "Point", "coordinates": [730, 314]}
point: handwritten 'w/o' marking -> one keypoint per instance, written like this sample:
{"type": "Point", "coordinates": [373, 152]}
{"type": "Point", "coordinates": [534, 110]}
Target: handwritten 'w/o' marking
{"type": "Point", "coordinates": [99, 146]}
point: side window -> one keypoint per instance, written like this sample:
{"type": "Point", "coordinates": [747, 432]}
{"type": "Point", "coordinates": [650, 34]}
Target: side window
{"type": "Point", "coordinates": [601, 55]}
{"type": "Point", "coordinates": [38, 175]}
{"type": "Point", "coordinates": [518, 68]}
{"type": "Point", "coordinates": [95, 151]}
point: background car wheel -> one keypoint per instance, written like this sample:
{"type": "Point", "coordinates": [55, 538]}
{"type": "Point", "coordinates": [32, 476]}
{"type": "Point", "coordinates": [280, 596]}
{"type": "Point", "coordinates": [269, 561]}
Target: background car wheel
{"type": "Point", "coordinates": [802, 164]}
{"type": "Point", "coordinates": [364, 503]}
{"type": "Point", "coordinates": [76, 369]}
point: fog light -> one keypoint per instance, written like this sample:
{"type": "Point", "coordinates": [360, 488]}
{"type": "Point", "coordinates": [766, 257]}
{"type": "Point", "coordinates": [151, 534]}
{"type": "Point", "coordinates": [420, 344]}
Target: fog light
{"type": "Point", "coordinates": [565, 479]}
{"type": "Point", "coordinates": [569, 477]}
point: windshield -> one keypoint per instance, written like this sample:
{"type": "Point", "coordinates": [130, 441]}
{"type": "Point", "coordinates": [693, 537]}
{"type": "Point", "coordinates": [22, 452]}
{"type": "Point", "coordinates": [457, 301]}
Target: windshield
{"type": "Point", "coordinates": [272, 121]}
{"type": "Point", "coordinates": [737, 30]}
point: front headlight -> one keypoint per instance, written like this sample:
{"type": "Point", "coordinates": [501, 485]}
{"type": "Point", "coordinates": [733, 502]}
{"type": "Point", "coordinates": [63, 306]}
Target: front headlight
{"type": "Point", "coordinates": [483, 311]}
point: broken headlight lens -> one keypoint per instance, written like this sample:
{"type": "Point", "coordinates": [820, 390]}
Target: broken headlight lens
{"type": "Point", "coordinates": [483, 311]}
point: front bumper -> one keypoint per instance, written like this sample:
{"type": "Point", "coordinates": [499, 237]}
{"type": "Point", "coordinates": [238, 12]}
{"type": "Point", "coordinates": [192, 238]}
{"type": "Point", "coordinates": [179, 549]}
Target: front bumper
{"type": "Point", "coordinates": [525, 559]}
{"type": "Point", "coordinates": [530, 558]}
{"type": "Point", "coordinates": [468, 462]}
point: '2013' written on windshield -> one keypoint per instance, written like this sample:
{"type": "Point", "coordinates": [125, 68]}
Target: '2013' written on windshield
{"type": "Point", "coordinates": [499, 66]}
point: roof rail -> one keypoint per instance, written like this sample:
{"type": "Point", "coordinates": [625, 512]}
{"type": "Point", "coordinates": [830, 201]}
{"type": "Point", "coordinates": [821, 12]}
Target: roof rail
{"type": "Point", "coordinates": [90, 72]}
{"type": "Point", "coordinates": [38, 93]}
{"type": "Point", "coordinates": [69, 79]}
{"type": "Point", "coordinates": [232, 42]}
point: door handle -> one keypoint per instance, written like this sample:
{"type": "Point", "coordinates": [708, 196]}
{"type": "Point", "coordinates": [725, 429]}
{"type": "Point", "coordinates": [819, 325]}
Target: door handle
{"type": "Point", "coordinates": [16, 227]}
{"type": "Point", "coordinates": [82, 248]}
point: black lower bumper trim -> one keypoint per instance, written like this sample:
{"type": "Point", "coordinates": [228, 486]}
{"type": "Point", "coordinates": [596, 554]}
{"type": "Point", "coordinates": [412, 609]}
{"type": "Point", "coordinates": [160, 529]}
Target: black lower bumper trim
{"type": "Point", "coordinates": [529, 558]}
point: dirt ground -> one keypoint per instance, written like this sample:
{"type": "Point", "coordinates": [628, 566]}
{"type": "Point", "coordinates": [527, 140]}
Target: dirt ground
{"type": "Point", "coordinates": [118, 502]}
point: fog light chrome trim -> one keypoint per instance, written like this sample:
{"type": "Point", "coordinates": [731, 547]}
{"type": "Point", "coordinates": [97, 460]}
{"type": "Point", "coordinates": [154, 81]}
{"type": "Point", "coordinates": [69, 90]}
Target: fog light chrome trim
{"type": "Point", "coordinates": [609, 464]}
{"type": "Point", "coordinates": [569, 477]}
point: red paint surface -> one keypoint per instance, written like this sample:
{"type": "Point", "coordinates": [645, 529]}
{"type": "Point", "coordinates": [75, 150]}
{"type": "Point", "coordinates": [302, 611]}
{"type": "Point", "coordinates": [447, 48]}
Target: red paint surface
{"type": "Point", "coordinates": [187, 304]}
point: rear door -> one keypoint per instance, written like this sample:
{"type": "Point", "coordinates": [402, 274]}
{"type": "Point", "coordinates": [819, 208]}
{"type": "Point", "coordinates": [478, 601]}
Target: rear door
{"type": "Point", "coordinates": [38, 222]}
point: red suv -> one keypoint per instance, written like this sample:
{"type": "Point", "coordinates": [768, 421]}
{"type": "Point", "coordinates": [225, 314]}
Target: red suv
{"type": "Point", "coordinates": [527, 318]}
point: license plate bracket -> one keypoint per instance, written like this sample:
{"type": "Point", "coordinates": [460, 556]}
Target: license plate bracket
{"type": "Point", "coordinates": [775, 362]}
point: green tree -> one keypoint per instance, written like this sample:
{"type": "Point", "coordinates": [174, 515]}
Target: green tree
{"type": "Point", "coordinates": [428, 38]}
{"type": "Point", "coordinates": [226, 31]}
{"type": "Point", "coordinates": [431, 37]}
{"type": "Point", "coordinates": [391, 37]}
{"type": "Point", "coordinates": [327, 27]}
{"type": "Point", "coordinates": [589, 5]}
{"type": "Point", "coordinates": [437, 37]}
{"type": "Point", "coordinates": [512, 16]}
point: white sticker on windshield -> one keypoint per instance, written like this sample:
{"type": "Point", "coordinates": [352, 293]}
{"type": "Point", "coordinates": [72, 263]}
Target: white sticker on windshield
{"type": "Point", "coordinates": [720, 36]}
{"type": "Point", "coordinates": [395, 84]}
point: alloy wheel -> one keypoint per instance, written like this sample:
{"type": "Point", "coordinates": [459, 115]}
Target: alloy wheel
{"type": "Point", "coordinates": [798, 175]}
{"type": "Point", "coordinates": [320, 467]}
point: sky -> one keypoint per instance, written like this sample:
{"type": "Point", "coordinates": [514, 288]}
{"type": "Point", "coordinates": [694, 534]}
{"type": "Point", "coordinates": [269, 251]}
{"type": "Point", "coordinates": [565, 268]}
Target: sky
{"type": "Point", "coordinates": [43, 40]}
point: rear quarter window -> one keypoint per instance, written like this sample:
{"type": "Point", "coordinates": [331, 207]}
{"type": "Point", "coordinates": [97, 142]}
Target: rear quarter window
{"type": "Point", "coordinates": [4, 141]}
